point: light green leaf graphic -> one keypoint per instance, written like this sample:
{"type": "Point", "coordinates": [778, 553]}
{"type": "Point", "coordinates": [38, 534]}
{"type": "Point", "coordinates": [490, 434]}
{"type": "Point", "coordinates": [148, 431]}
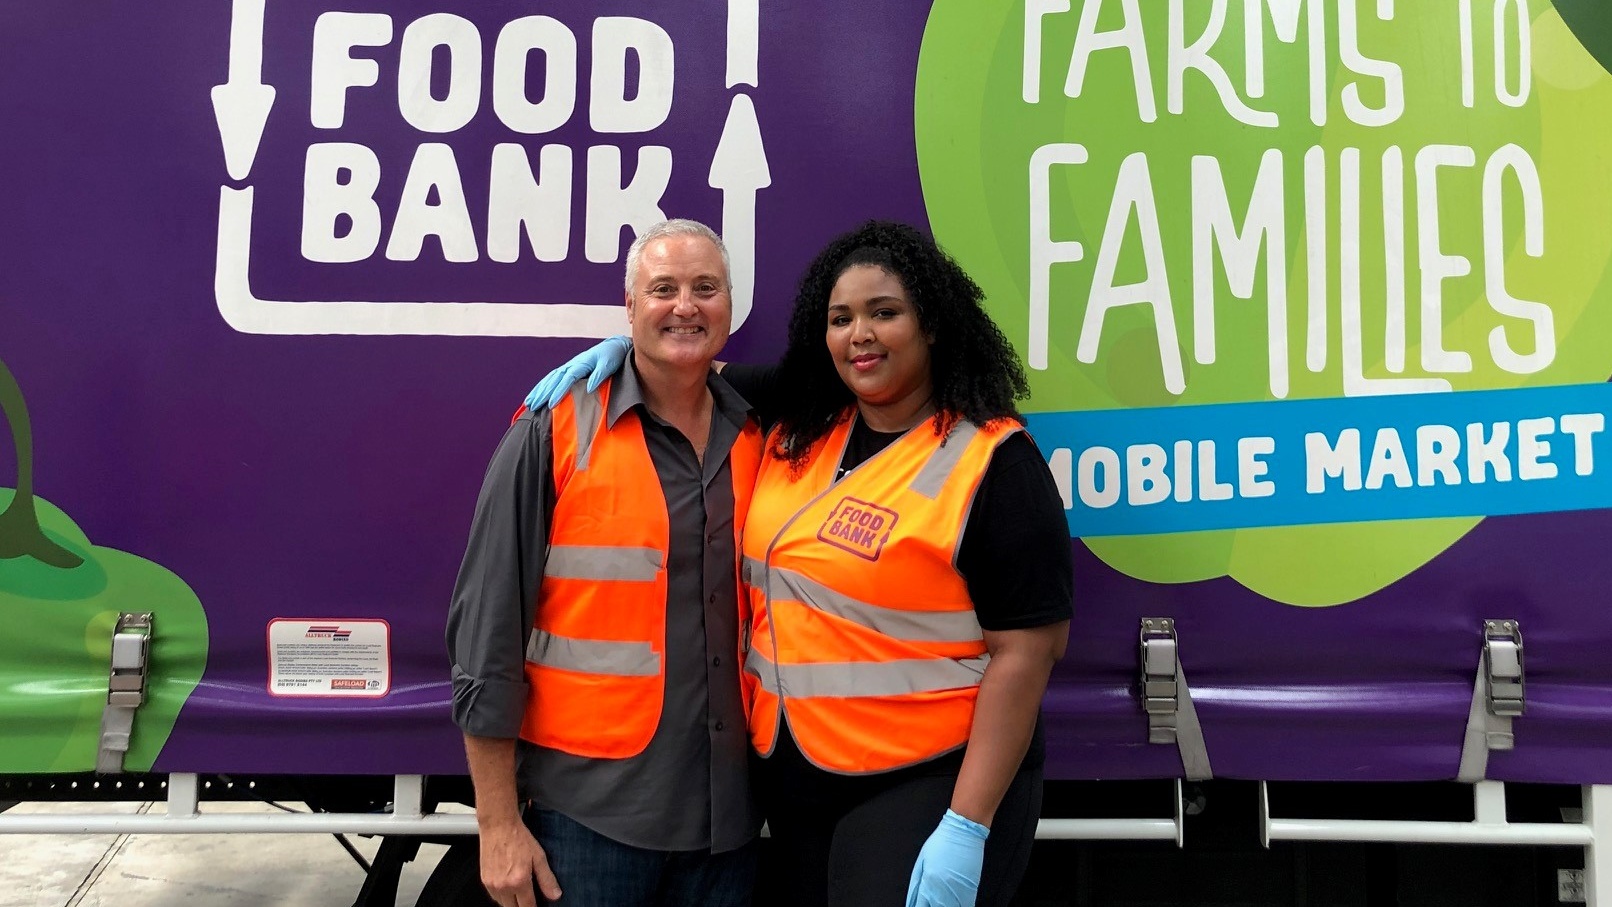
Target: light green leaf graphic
{"type": "Point", "coordinates": [60, 596]}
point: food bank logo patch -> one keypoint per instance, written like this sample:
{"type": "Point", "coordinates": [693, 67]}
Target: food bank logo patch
{"type": "Point", "coordinates": [858, 527]}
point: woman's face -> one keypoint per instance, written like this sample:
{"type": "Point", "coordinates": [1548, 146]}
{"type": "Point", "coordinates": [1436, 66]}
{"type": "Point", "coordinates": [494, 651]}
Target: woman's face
{"type": "Point", "coordinates": [876, 343]}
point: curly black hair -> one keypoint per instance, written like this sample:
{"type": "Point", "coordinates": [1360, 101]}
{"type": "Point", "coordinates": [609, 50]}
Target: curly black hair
{"type": "Point", "coordinates": [975, 373]}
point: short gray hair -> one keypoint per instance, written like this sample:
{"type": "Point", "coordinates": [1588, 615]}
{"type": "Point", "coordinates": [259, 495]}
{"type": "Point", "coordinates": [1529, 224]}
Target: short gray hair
{"type": "Point", "coordinates": [677, 226]}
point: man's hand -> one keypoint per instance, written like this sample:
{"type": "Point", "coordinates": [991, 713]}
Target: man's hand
{"type": "Point", "coordinates": [510, 859]}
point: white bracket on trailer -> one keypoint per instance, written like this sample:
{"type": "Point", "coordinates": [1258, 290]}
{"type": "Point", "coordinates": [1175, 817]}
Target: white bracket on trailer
{"type": "Point", "coordinates": [125, 688]}
{"type": "Point", "coordinates": [1497, 698]}
{"type": "Point", "coordinates": [1167, 700]}
{"type": "Point", "coordinates": [1488, 826]}
{"type": "Point", "coordinates": [185, 815]}
{"type": "Point", "coordinates": [1119, 829]}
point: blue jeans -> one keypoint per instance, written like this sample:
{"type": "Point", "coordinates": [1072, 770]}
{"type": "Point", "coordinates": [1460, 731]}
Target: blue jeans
{"type": "Point", "coordinates": [596, 871]}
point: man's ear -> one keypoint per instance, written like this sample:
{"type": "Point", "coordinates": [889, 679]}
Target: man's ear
{"type": "Point", "coordinates": [628, 296]}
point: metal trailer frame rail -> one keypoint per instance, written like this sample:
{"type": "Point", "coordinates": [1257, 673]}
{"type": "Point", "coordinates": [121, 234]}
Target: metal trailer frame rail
{"type": "Point", "coordinates": [1489, 826]}
{"type": "Point", "coordinates": [407, 816]}
{"type": "Point", "coordinates": [185, 816]}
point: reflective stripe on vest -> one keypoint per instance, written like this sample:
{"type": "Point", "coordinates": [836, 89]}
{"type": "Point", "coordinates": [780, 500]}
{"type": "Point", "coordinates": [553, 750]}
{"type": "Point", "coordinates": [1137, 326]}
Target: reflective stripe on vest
{"type": "Point", "coordinates": [932, 478]}
{"type": "Point", "coordinates": [602, 562]}
{"type": "Point", "coordinates": [848, 679]}
{"type": "Point", "coordinates": [592, 656]}
{"type": "Point", "coordinates": [921, 626]}
{"type": "Point", "coordinates": [589, 413]}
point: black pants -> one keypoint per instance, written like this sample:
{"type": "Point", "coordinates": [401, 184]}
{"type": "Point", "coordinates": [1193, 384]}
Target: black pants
{"type": "Point", "coordinates": [851, 841]}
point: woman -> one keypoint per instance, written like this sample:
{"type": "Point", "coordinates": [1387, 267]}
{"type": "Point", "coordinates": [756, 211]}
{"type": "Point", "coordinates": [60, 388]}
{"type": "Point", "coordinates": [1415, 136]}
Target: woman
{"type": "Point", "coordinates": [908, 572]}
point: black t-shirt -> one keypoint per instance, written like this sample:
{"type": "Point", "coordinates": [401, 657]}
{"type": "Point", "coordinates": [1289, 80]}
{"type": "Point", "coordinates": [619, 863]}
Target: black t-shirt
{"type": "Point", "coordinates": [1017, 519]}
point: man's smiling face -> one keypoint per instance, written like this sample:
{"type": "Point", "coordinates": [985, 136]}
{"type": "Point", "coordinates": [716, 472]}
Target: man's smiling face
{"type": "Point", "coordinates": [679, 306]}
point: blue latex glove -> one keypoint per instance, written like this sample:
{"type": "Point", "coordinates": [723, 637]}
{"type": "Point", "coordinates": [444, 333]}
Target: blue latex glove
{"type": "Point", "coordinates": [947, 873]}
{"type": "Point", "coordinates": [596, 363]}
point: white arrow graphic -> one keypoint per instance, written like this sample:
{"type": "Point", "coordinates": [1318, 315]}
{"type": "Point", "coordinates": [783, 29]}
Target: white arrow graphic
{"type": "Point", "coordinates": [250, 315]}
{"type": "Point", "coordinates": [242, 104]}
{"type": "Point", "coordinates": [739, 169]}
{"type": "Point", "coordinates": [744, 41]}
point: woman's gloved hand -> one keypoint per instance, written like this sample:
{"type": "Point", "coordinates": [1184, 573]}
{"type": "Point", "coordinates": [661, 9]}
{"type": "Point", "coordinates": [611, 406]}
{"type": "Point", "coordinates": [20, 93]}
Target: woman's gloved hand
{"type": "Point", "coordinates": [947, 873]}
{"type": "Point", "coordinates": [596, 363]}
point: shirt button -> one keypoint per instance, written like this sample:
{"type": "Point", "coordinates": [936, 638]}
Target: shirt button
{"type": "Point", "coordinates": [719, 725]}
{"type": "Point", "coordinates": [716, 661]}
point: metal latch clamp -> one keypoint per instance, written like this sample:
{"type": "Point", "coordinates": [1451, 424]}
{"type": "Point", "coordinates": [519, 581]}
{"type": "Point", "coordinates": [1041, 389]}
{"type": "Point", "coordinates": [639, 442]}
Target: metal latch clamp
{"type": "Point", "coordinates": [125, 687]}
{"type": "Point", "coordinates": [1502, 658]}
{"type": "Point", "coordinates": [1498, 696]}
{"type": "Point", "coordinates": [1166, 699]}
{"type": "Point", "coordinates": [1159, 678]}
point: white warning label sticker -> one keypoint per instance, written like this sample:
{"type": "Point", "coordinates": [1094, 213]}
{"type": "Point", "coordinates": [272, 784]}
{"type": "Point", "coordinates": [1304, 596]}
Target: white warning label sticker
{"type": "Point", "coordinates": [319, 657]}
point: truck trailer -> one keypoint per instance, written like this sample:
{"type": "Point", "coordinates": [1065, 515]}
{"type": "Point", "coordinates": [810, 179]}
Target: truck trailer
{"type": "Point", "coordinates": [1313, 297]}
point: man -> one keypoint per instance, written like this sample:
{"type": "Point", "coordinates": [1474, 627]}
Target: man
{"type": "Point", "coordinates": [594, 626]}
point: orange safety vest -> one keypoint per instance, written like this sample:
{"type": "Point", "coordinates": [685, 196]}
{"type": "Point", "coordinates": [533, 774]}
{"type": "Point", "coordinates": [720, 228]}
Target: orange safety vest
{"type": "Point", "coordinates": [864, 638]}
{"type": "Point", "coordinates": [595, 661]}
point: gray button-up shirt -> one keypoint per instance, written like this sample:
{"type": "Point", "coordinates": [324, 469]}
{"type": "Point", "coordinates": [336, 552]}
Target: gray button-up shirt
{"type": "Point", "coordinates": [689, 789]}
